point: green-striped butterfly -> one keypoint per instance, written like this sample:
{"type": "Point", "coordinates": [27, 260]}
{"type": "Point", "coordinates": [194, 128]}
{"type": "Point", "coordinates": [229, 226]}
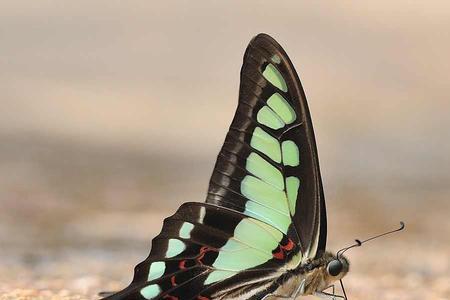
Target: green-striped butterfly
{"type": "Point", "coordinates": [262, 231]}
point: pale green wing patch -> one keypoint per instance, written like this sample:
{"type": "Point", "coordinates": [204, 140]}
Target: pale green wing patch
{"type": "Point", "coordinates": [274, 76]}
{"type": "Point", "coordinates": [219, 275]}
{"type": "Point", "coordinates": [276, 219]}
{"type": "Point", "coordinates": [276, 234]}
{"type": "Point", "coordinates": [265, 171]}
{"type": "Point", "coordinates": [264, 194]}
{"type": "Point", "coordinates": [240, 260]}
{"type": "Point", "coordinates": [151, 291]}
{"type": "Point", "coordinates": [276, 58]}
{"type": "Point", "coordinates": [291, 154]}
{"type": "Point", "coordinates": [251, 245]}
{"type": "Point", "coordinates": [174, 248]}
{"type": "Point", "coordinates": [268, 198]}
{"type": "Point", "coordinates": [234, 245]}
{"type": "Point", "coordinates": [292, 185]}
{"type": "Point", "coordinates": [157, 269]}
{"type": "Point", "coordinates": [267, 117]}
{"type": "Point", "coordinates": [265, 143]}
{"type": "Point", "coordinates": [283, 109]}
{"type": "Point", "coordinates": [257, 235]}
{"type": "Point", "coordinates": [185, 230]}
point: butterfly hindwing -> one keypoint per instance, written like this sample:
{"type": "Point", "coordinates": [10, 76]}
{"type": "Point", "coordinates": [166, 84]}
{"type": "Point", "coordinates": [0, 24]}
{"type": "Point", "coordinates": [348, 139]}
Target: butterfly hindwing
{"type": "Point", "coordinates": [202, 248]}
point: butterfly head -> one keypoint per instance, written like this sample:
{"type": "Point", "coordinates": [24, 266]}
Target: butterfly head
{"type": "Point", "coordinates": [332, 268]}
{"type": "Point", "coordinates": [336, 267]}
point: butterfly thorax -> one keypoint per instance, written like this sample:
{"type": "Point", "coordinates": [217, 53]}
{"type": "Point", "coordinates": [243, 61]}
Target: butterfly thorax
{"type": "Point", "coordinates": [310, 277]}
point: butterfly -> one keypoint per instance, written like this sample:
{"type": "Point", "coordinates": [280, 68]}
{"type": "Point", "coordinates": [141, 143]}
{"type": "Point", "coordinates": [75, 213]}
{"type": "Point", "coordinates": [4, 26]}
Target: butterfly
{"type": "Point", "coordinates": [262, 231]}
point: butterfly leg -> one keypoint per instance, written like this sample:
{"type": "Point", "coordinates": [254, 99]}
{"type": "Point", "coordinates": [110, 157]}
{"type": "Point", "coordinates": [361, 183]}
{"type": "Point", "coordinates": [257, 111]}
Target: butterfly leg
{"type": "Point", "coordinates": [333, 293]}
{"type": "Point", "coordinates": [325, 295]}
{"type": "Point", "coordinates": [333, 290]}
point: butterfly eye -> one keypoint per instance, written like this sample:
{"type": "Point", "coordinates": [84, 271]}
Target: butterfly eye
{"type": "Point", "coordinates": [334, 267]}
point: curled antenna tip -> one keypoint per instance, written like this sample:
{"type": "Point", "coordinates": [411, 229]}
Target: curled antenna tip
{"type": "Point", "coordinates": [359, 242]}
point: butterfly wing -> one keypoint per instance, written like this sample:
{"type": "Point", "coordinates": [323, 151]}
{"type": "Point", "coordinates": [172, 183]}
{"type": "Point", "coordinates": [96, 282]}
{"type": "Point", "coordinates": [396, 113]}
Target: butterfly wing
{"type": "Point", "coordinates": [268, 166]}
{"type": "Point", "coordinates": [265, 208]}
{"type": "Point", "coordinates": [203, 249]}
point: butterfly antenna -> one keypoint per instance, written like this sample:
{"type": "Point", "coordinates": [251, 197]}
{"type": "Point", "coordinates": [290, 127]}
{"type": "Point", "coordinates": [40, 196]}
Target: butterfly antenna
{"type": "Point", "coordinates": [359, 242]}
{"type": "Point", "coordinates": [343, 289]}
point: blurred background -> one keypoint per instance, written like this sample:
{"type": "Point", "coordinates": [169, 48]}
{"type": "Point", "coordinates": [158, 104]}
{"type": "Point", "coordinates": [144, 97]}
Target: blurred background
{"type": "Point", "coordinates": [113, 112]}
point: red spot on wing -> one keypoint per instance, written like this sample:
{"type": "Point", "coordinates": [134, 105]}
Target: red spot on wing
{"type": "Point", "coordinates": [289, 246]}
{"type": "Point", "coordinates": [182, 264]}
{"type": "Point", "coordinates": [170, 297]}
{"type": "Point", "coordinates": [202, 298]}
{"type": "Point", "coordinates": [172, 280]}
{"type": "Point", "coordinates": [200, 257]}
{"type": "Point", "coordinates": [279, 254]}
{"type": "Point", "coordinates": [203, 251]}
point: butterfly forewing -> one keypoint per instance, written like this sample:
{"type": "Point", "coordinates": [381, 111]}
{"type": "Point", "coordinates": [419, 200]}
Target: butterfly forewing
{"type": "Point", "coordinates": [268, 166]}
{"type": "Point", "coordinates": [265, 210]}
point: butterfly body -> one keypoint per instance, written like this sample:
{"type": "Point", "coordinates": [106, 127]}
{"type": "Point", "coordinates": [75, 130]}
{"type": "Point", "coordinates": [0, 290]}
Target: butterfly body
{"type": "Point", "coordinates": [309, 278]}
{"type": "Point", "coordinates": [261, 232]}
